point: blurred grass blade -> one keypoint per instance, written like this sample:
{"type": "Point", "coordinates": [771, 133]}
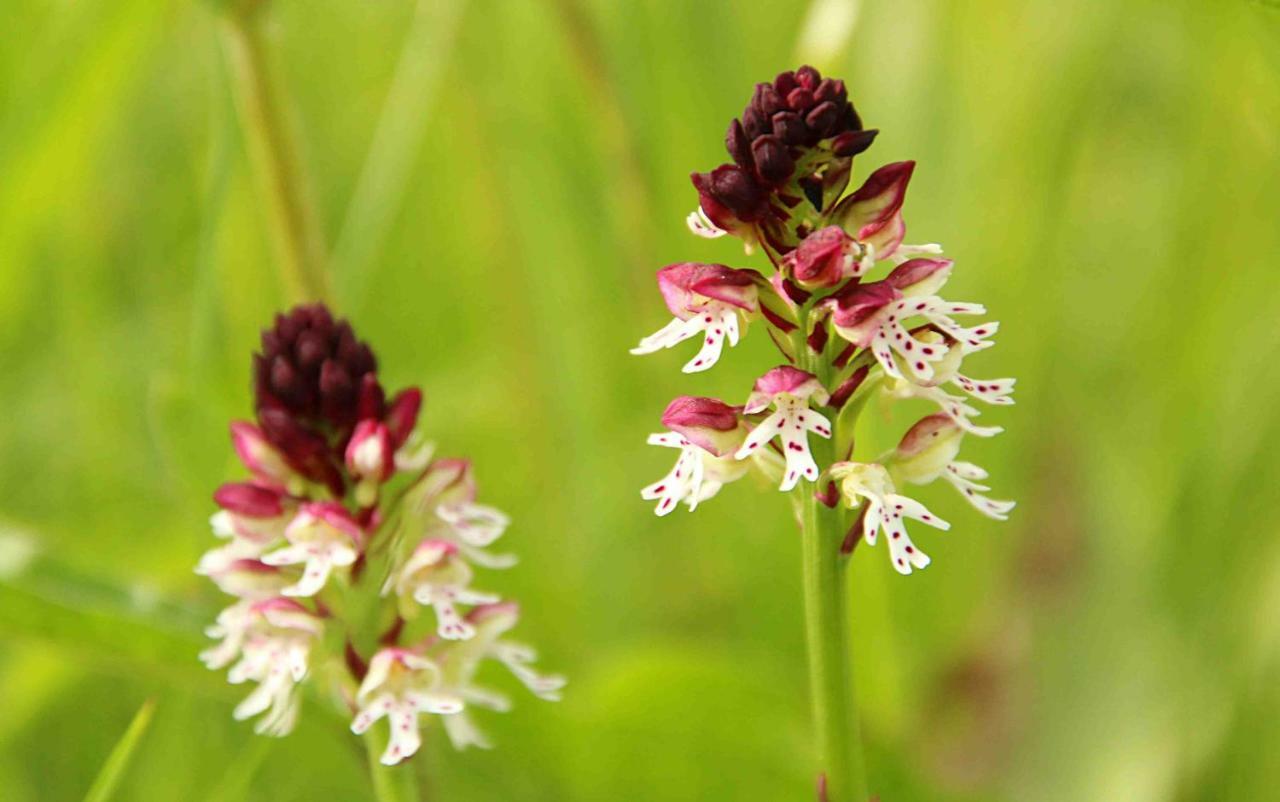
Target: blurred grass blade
{"type": "Point", "coordinates": [105, 784]}
{"type": "Point", "coordinates": [241, 770]}
{"type": "Point", "coordinates": [396, 141]}
{"type": "Point", "coordinates": [102, 634]}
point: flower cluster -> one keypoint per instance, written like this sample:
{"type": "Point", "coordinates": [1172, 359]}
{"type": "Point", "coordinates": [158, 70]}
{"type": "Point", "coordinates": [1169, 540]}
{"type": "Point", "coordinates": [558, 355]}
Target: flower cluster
{"type": "Point", "coordinates": [845, 334]}
{"type": "Point", "coordinates": [792, 149]}
{"type": "Point", "coordinates": [347, 530]}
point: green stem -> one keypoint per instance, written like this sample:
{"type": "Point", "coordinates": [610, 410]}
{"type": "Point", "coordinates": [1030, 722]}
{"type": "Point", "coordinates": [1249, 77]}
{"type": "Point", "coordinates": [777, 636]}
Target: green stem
{"type": "Point", "coordinates": [841, 772]}
{"type": "Point", "coordinates": [390, 783]}
{"type": "Point", "coordinates": [295, 234]}
{"type": "Point", "coordinates": [826, 602]}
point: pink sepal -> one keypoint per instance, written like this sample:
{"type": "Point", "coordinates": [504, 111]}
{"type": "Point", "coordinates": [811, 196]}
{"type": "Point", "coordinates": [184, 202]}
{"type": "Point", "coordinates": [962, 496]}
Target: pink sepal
{"type": "Point", "coordinates": [507, 611]}
{"type": "Point", "coordinates": [330, 514]}
{"type": "Point", "coordinates": [686, 287]}
{"type": "Point", "coordinates": [859, 303]}
{"type": "Point", "coordinates": [925, 434]}
{"type": "Point", "coordinates": [287, 614]}
{"type": "Point", "coordinates": [708, 423]}
{"type": "Point", "coordinates": [873, 214]}
{"type": "Point", "coordinates": [920, 276]}
{"type": "Point", "coordinates": [821, 259]}
{"type": "Point", "coordinates": [249, 500]}
{"type": "Point", "coordinates": [258, 455]}
{"type": "Point", "coordinates": [784, 380]}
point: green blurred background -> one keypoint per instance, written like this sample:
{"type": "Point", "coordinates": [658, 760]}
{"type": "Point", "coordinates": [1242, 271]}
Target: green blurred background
{"type": "Point", "coordinates": [497, 180]}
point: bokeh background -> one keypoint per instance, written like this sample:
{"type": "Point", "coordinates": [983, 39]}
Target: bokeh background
{"type": "Point", "coordinates": [497, 180]}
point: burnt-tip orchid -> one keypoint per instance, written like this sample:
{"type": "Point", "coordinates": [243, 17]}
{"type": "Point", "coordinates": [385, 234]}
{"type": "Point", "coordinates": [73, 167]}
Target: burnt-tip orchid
{"type": "Point", "coordinates": [713, 301]}
{"type": "Point", "coordinates": [929, 451]}
{"type": "Point", "coordinates": [870, 486]}
{"type": "Point", "coordinates": [847, 331]}
{"type": "Point", "coordinates": [857, 315]}
{"type": "Point", "coordinates": [400, 685]}
{"type": "Point", "coordinates": [845, 334]}
{"type": "Point", "coordinates": [791, 393]}
{"type": "Point", "coordinates": [707, 432]}
{"type": "Point", "coordinates": [348, 527]}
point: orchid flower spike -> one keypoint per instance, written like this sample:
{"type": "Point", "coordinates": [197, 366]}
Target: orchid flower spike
{"type": "Point", "coordinates": [317, 552]}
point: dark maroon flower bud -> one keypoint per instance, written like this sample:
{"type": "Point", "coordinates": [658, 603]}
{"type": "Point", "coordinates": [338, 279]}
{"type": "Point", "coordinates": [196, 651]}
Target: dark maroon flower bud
{"type": "Point", "coordinates": [829, 90]}
{"type": "Point", "coordinates": [799, 118]}
{"type": "Point", "coordinates": [739, 145]}
{"type": "Point", "coordinates": [754, 123]}
{"type": "Point", "coordinates": [773, 163]}
{"type": "Point", "coordinates": [402, 415]}
{"type": "Point", "coordinates": [851, 143]}
{"type": "Point", "coordinates": [822, 119]}
{"type": "Point", "coordinates": [766, 100]}
{"type": "Point", "coordinates": [788, 127]}
{"type": "Point", "coordinates": [734, 191]}
{"type": "Point", "coordinates": [800, 99]}
{"type": "Point", "coordinates": [307, 452]}
{"type": "Point", "coordinates": [784, 83]}
{"type": "Point", "coordinates": [313, 382]}
{"type": "Point", "coordinates": [371, 401]}
{"type": "Point", "coordinates": [311, 368]}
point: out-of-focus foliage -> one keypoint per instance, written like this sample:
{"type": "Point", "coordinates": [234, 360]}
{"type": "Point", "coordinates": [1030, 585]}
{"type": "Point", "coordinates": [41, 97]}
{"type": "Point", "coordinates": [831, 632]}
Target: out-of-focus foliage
{"type": "Point", "coordinates": [498, 180]}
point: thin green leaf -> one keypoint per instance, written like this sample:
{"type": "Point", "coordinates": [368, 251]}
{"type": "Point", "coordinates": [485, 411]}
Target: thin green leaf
{"type": "Point", "coordinates": [102, 635]}
{"type": "Point", "coordinates": [396, 143]}
{"type": "Point", "coordinates": [240, 771]}
{"type": "Point", "coordinates": [118, 761]}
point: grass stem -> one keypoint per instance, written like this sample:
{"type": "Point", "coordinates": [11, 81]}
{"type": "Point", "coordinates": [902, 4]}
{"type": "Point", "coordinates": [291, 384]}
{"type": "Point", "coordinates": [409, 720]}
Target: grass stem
{"type": "Point", "coordinates": [296, 236]}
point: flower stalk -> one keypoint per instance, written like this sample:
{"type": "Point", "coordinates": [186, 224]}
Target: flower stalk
{"type": "Point", "coordinates": [273, 153]}
{"type": "Point", "coordinates": [831, 688]}
{"type": "Point", "coordinates": [841, 771]}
